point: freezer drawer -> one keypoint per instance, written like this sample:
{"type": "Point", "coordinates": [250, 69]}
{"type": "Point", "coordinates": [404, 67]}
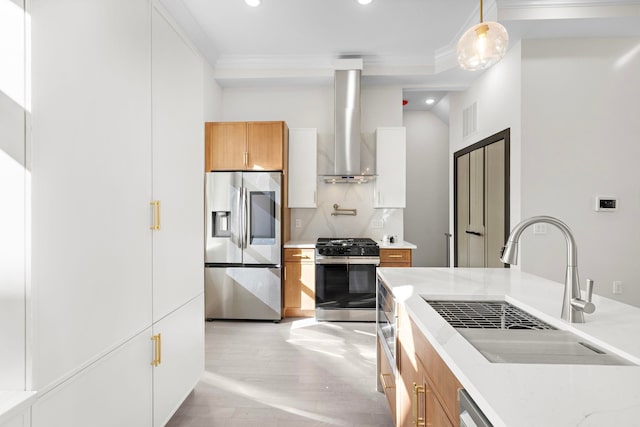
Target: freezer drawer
{"type": "Point", "coordinates": [243, 293]}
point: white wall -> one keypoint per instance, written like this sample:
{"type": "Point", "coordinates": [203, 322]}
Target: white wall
{"type": "Point", "coordinates": [212, 95]}
{"type": "Point", "coordinates": [571, 105]}
{"type": "Point", "coordinates": [312, 106]}
{"type": "Point", "coordinates": [426, 217]}
{"type": "Point", "coordinates": [498, 95]}
{"type": "Point", "coordinates": [13, 176]}
{"type": "Point", "coordinates": [580, 139]}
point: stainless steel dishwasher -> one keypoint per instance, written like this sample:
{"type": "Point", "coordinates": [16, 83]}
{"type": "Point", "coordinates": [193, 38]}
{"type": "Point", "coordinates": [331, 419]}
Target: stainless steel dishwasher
{"type": "Point", "coordinates": [470, 414]}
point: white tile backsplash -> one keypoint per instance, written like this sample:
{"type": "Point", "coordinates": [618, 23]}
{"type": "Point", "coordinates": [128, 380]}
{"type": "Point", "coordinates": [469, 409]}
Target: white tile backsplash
{"type": "Point", "coordinates": [320, 223]}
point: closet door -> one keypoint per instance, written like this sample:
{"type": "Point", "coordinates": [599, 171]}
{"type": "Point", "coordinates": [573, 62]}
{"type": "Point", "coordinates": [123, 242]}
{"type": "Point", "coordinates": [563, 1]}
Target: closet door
{"type": "Point", "coordinates": [475, 229]}
{"type": "Point", "coordinates": [181, 359]}
{"type": "Point", "coordinates": [481, 201]}
{"type": "Point", "coordinates": [462, 211]}
{"type": "Point", "coordinates": [114, 391]}
{"type": "Point", "coordinates": [178, 162]}
{"type": "Point", "coordinates": [494, 189]}
{"type": "Point", "coordinates": [90, 176]}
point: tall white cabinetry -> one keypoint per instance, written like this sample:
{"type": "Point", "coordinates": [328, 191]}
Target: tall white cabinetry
{"type": "Point", "coordinates": [117, 125]}
{"type": "Point", "coordinates": [391, 167]}
{"type": "Point", "coordinates": [303, 179]}
{"type": "Point", "coordinates": [12, 196]}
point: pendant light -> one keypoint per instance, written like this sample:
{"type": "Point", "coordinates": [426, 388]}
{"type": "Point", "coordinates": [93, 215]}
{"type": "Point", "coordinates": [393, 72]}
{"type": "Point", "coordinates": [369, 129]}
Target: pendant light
{"type": "Point", "coordinates": [482, 45]}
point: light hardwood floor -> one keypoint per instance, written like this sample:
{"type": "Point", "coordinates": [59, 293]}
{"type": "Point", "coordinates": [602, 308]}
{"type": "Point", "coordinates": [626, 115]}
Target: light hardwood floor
{"type": "Point", "coordinates": [295, 373]}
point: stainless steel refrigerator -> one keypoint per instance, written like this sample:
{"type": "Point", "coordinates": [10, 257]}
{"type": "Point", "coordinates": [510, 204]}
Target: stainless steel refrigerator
{"type": "Point", "coordinates": [243, 245]}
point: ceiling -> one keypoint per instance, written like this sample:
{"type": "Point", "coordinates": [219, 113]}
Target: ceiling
{"type": "Point", "coordinates": [410, 43]}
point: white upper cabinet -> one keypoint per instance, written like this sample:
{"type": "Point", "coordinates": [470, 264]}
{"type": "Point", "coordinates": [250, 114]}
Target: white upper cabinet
{"type": "Point", "coordinates": [303, 180]}
{"type": "Point", "coordinates": [391, 168]}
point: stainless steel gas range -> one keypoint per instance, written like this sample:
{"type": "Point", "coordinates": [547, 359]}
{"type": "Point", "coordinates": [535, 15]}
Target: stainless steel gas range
{"type": "Point", "coordinates": [346, 279]}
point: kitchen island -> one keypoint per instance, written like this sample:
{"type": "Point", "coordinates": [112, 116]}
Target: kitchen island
{"type": "Point", "coordinates": [524, 395]}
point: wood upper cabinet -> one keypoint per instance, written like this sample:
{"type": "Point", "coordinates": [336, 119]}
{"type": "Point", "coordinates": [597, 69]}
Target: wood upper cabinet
{"type": "Point", "coordinates": [246, 146]}
{"type": "Point", "coordinates": [225, 146]}
{"type": "Point", "coordinates": [395, 257]}
{"type": "Point", "coordinates": [299, 282]}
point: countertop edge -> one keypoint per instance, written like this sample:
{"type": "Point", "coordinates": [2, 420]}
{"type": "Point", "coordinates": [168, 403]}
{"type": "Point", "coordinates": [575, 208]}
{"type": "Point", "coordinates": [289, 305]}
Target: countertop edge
{"type": "Point", "coordinates": [13, 403]}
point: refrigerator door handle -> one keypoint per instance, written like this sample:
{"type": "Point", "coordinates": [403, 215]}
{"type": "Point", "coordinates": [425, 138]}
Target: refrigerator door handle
{"type": "Point", "coordinates": [245, 210]}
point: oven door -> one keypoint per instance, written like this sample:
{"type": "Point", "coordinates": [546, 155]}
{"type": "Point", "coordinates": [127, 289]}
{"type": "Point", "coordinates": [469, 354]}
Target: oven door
{"type": "Point", "coordinates": [346, 283]}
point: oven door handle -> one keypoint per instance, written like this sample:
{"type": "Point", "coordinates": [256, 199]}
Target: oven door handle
{"type": "Point", "coordinates": [348, 260]}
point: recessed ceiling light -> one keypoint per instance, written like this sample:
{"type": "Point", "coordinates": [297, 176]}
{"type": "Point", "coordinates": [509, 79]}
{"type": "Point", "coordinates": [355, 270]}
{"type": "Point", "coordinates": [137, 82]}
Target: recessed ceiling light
{"type": "Point", "coordinates": [252, 3]}
{"type": "Point", "coordinates": [364, 1]}
{"type": "Point", "coordinates": [430, 101]}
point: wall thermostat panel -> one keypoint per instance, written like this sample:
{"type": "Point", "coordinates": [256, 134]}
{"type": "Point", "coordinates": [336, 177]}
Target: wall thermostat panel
{"type": "Point", "coordinates": [606, 203]}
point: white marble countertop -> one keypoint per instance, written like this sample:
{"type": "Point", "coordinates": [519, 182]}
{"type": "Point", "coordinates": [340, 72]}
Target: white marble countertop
{"type": "Point", "coordinates": [400, 245]}
{"type": "Point", "coordinates": [12, 403]}
{"type": "Point", "coordinates": [300, 244]}
{"type": "Point", "coordinates": [523, 395]}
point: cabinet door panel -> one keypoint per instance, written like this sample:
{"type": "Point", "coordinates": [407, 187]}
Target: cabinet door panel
{"type": "Point", "coordinates": [391, 167]}
{"type": "Point", "coordinates": [91, 174]}
{"type": "Point", "coordinates": [182, 362]}
{"type": "Point", "coordinates": [265, 144]}
{"type": "Point", "coordinates": [115, 391]}
{"type": "Point", "coordinates": [12, 194]}
{"type": "Point", "coordinates": [226, 146]}
{"type": "Point", "coordinates": [303, 179]}
{"type": "Point", "coordinates": [178, 146]}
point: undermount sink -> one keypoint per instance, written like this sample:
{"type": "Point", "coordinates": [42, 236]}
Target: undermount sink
{"type": "Point", "coordinates": [504, 333]}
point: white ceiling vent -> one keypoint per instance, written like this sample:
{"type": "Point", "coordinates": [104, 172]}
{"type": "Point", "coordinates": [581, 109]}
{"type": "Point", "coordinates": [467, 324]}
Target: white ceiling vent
{"type": "Point", "coordinates": [470, 120]}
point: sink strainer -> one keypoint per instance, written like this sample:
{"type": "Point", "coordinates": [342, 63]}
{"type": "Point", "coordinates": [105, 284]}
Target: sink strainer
{"type": "Point", "coordinates": [486, 315]}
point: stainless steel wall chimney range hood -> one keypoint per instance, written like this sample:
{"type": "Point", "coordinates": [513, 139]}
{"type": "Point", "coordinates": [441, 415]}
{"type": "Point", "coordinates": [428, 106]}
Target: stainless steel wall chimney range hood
{"type": "Point", "coordinates": [347, 124]}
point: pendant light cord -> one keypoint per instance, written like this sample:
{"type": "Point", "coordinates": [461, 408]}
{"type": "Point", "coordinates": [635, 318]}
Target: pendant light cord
{"type": "Point", "coordinates": [481, 20]}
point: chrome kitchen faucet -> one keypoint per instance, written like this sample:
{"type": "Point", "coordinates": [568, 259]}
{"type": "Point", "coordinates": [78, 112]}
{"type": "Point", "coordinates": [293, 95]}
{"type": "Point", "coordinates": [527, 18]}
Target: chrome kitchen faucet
{"type": "Point", "coordinates": [573, 306]}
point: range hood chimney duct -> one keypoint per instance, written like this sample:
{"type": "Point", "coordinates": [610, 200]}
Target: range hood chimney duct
{"type": "Point", "coordinates": [347, 123]}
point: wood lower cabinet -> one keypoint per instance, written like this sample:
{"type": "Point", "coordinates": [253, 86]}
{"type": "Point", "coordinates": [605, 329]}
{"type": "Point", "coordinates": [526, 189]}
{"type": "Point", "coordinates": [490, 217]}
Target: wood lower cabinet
{"type": "Point", "coordinates": [246, 146]}
{"type": "Point", "coordinates": [395, 257]}
{"type": "Point", "coordinates": [427, 389]}
{"type": "Point", "coordinates": [299, 282]}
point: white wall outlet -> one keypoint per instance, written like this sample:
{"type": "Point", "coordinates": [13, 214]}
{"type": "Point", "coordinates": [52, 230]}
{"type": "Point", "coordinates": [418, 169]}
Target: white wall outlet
{"type": "Point", "coordinates": [540, 228]}
{"type": "Point", "coordinates": [377, 223]}
{"type": "Point", "coordinates": [298, 223]}
{"type": "Point", "coordinates": [617, 287]}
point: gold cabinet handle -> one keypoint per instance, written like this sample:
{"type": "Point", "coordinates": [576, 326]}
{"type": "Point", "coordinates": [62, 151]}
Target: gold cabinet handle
{"type": "Point", "coordinates": [384, 382]}
{"type": "Point", "coordinates": [246, 158]}
{"type": "Point", "coordinates": [394, 256]}
{"type": "Point", "coordinates": [285, 273]}
{"type": "Point", "coordinates": [156, 215]}
{"type": "Point", "coordinates": [157, 350]}
{"type": "Point", "coordinates": [417, 421]}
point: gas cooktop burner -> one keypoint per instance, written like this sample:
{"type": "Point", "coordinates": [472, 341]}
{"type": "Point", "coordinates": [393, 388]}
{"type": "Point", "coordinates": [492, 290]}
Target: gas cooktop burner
{"type": "Point", "coordinates": [357, 246]}
{"type": "Point", "coordinates": [346, 241]}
